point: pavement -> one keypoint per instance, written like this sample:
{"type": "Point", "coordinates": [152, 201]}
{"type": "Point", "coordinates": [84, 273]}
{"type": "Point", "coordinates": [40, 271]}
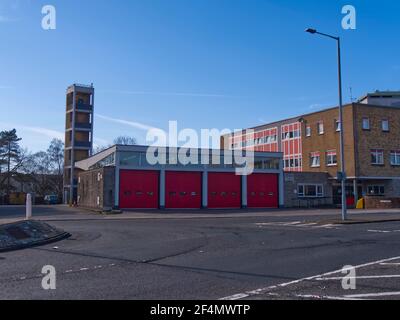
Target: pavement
{"type": "Point", "coordinates": [284, 254]}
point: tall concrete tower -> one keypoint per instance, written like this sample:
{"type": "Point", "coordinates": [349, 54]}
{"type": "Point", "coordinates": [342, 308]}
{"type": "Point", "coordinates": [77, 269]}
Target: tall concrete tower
{"type": "Point", "coordinates": [78, 135]}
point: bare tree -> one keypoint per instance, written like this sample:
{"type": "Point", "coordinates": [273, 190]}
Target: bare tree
{"type": "Point", "coordinates": [55, 153]}
{"type": "Point", "coordinates": [125, 140]}
{"type": "Point", "coordinates": [121, 140]}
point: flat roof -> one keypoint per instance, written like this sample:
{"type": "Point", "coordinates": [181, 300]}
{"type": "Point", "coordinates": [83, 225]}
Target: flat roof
{"type": "Point", "coordinates": [377, 94]}
{"type": "Point", "coordinates": [91, 161]}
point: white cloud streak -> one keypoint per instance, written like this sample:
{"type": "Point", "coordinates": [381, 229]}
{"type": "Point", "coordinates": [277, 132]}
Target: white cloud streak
{"type": "Point", "coordinates": [38, 130]}
{"type": "Point", "coordinates": [4, 19]}
{"type": "Point", "coordinates": [133, 124]}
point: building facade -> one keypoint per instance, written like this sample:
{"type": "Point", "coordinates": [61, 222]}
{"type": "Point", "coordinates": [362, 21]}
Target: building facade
{"type": "Point", "coordinates": [78, 135]}
{"type": "Point", "coordinates": [125, 175]}
{"type": "Point", "coordinates": [311, 144]}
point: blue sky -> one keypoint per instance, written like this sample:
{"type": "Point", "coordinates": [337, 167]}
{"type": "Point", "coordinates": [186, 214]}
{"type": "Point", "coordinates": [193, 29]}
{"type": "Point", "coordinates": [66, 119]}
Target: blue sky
{"type": "Point", "coordinates": [205, 63]}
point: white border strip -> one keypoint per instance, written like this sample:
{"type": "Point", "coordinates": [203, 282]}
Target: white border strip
{"type": "Point", "coordinates": [282, 285]}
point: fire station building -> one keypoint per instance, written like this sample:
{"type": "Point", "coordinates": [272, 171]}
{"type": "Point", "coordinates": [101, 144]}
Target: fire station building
{"type": "Point", "coordinates": [122, 177]}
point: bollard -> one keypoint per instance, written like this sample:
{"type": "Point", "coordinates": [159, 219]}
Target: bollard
{"type": "Point", "coordinates": [28, 206]}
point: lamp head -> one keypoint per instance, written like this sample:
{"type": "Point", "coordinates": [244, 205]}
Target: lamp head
{"type": "Point", "coordinates": [312, 31]}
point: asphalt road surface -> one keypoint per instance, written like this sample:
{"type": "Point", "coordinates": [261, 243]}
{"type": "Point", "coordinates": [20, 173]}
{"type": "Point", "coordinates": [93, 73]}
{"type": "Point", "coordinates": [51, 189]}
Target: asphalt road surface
{"type": "Point", "coordinates": [261, 256]}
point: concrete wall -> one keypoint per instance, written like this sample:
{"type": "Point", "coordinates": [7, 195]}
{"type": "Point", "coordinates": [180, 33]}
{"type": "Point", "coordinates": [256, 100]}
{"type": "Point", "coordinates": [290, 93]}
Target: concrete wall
{"type": "Point", "coordinates": [293, 179]}
{"type": "Point", "coordinates": [96, 188]}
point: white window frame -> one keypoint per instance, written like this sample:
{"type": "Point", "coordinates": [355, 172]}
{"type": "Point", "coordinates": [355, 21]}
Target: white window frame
{"type": "Point", "coordinates": [396, 155]}
{"type": "Point", "coordinates": [308, 131]}
{"type": "Point", "coordinates": [376, 186]}
{"type": "Point", "coordinates": [385, 128]}
{"type": "Point", "coordinates": [366, 123]}
{"type": "Point", "coordinates": [338, 126]}
{"type": "Point", "coordinates": [329, 158]}
{"type": "Point", "coordinates": [379, 154]}
{"type": "Point", "coordinates": [320, 127]}
{"type": "Point", "coordinates": [319, 190]}
{"type": "Point", "coordinates": [312, 157]}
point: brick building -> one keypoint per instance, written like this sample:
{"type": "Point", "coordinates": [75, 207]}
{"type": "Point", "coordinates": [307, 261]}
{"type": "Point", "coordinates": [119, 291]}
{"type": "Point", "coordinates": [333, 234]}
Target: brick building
{"type": "Point", "coordinates": [310, 144]}
{"type": "Point", "coordinates": [122, 177]}
{"type": "Point", "coordinates": [78, 135]}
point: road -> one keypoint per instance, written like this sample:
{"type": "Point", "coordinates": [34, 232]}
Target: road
{"type": "Point", "coordinates": [262, 255]}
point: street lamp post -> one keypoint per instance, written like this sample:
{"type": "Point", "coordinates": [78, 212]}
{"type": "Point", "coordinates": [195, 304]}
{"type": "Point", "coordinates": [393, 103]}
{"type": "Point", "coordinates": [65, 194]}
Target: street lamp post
{"type": "Point", "coordinates": [342, 161]}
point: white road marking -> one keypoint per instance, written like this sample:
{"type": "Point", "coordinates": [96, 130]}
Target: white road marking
{"type": "Point", "coordinates": [360, 277]}
{"type": "Point", "coordinates": [297, 224]}
{"type": "Point", "coordinates": [292, 223]}
{"type": "Point", "coordinates": [390, 264]}
{"type": "Point", "coordinates": [329, 226]}
{"type": "Point", "coordinates": [306, 225]}
{"type": "Point", "coordinates": [282, 285]}
{"type": "Point", "coordinates": [384, 231]}
{"type": "Point", "coordinates": [311, 296]}
{"type": "Point", "coordinates": [373, 295]}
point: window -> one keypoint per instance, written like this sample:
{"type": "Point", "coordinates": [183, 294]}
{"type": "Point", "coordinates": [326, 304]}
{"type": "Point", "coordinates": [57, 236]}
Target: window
{"type": "Point", "coordinates": [320, 127]}
{"type": "Point", "coordinates": [315, 160]}
{"type": "Point", "coordinates": [377, 157]}
{"type": "Point", "coordinates": [290, 135]}
{"type": "Point", "coordinates": [376, 190]}
{"type": "Point", "coordinates": [385, 125]}
{"type": "Point", "coordinates": [366, 124]}
{"type": "Point", "coordinates": [338, 125]}
{"type": "Point", "coordinates": [310, 190]}
{"type": "Point", "coordinates": [395, 158]}
{"type": "Point", "coordinates": [308, 131]}
{"type": "Point", "coordinates": [331, 158]}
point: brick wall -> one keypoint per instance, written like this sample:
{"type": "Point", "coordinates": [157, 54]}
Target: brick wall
{"type": "Point", "coordinates": [329, 140]}
{"type": "Point", "coordinates": [376, 138]}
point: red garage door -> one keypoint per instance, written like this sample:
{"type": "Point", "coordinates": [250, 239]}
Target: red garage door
{"type": "Point", "coordinates": [182, 190]}
{"type": "Point", "coordinates": [138, 189]}
{"type": "Point", "coordinates": [262, 190]}
{"type": "Point", "coordinates": [224, 190]}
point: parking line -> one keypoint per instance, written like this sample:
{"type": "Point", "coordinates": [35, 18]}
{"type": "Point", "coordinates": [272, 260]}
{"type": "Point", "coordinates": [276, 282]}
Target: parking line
{"type": "Point", "coordinates": [373, 295]}
{"type": "Point", "coordinates": [360, 277]}
{"type": "Point", "coordinates": [306, 225]}
{"type": "Point", "coordinates": [311, 296]}
{"type": "Point", "coordinates": [286, 284]}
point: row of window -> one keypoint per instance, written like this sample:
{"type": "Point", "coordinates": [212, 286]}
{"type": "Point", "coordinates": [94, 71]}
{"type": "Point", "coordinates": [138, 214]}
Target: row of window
{"type": "Point", "coordinates": [255, 142]}
{"type": "Point", "coordinates": [378, 157]}
{"type": "Point", "coordinates": [331, 159]}
{"type": "Point", "coordinates": [321, 128]}
{"type": "Point", "coordinates": [366, 124]}
{"type": "Point", "coordinates": [294, 134]}
{"type": "Point", "coordinates": [317, 190]}
{"type": "Point", "coordinates": [293, 163]}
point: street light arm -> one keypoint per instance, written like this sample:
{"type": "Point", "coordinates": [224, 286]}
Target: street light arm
{"type": "Point", "coordinates": [328, 35]}
{"type": "Point", "coordinates": [314, 31]}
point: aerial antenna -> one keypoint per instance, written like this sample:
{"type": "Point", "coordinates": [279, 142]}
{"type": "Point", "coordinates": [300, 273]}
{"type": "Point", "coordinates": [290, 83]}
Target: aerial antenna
{"type": "Point", "coordinates": [351, 94]}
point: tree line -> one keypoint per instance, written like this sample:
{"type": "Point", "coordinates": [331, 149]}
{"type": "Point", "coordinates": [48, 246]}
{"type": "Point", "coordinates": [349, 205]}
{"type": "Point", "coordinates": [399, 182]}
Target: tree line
{"type": "Point", "coordinates": [42, 171]}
